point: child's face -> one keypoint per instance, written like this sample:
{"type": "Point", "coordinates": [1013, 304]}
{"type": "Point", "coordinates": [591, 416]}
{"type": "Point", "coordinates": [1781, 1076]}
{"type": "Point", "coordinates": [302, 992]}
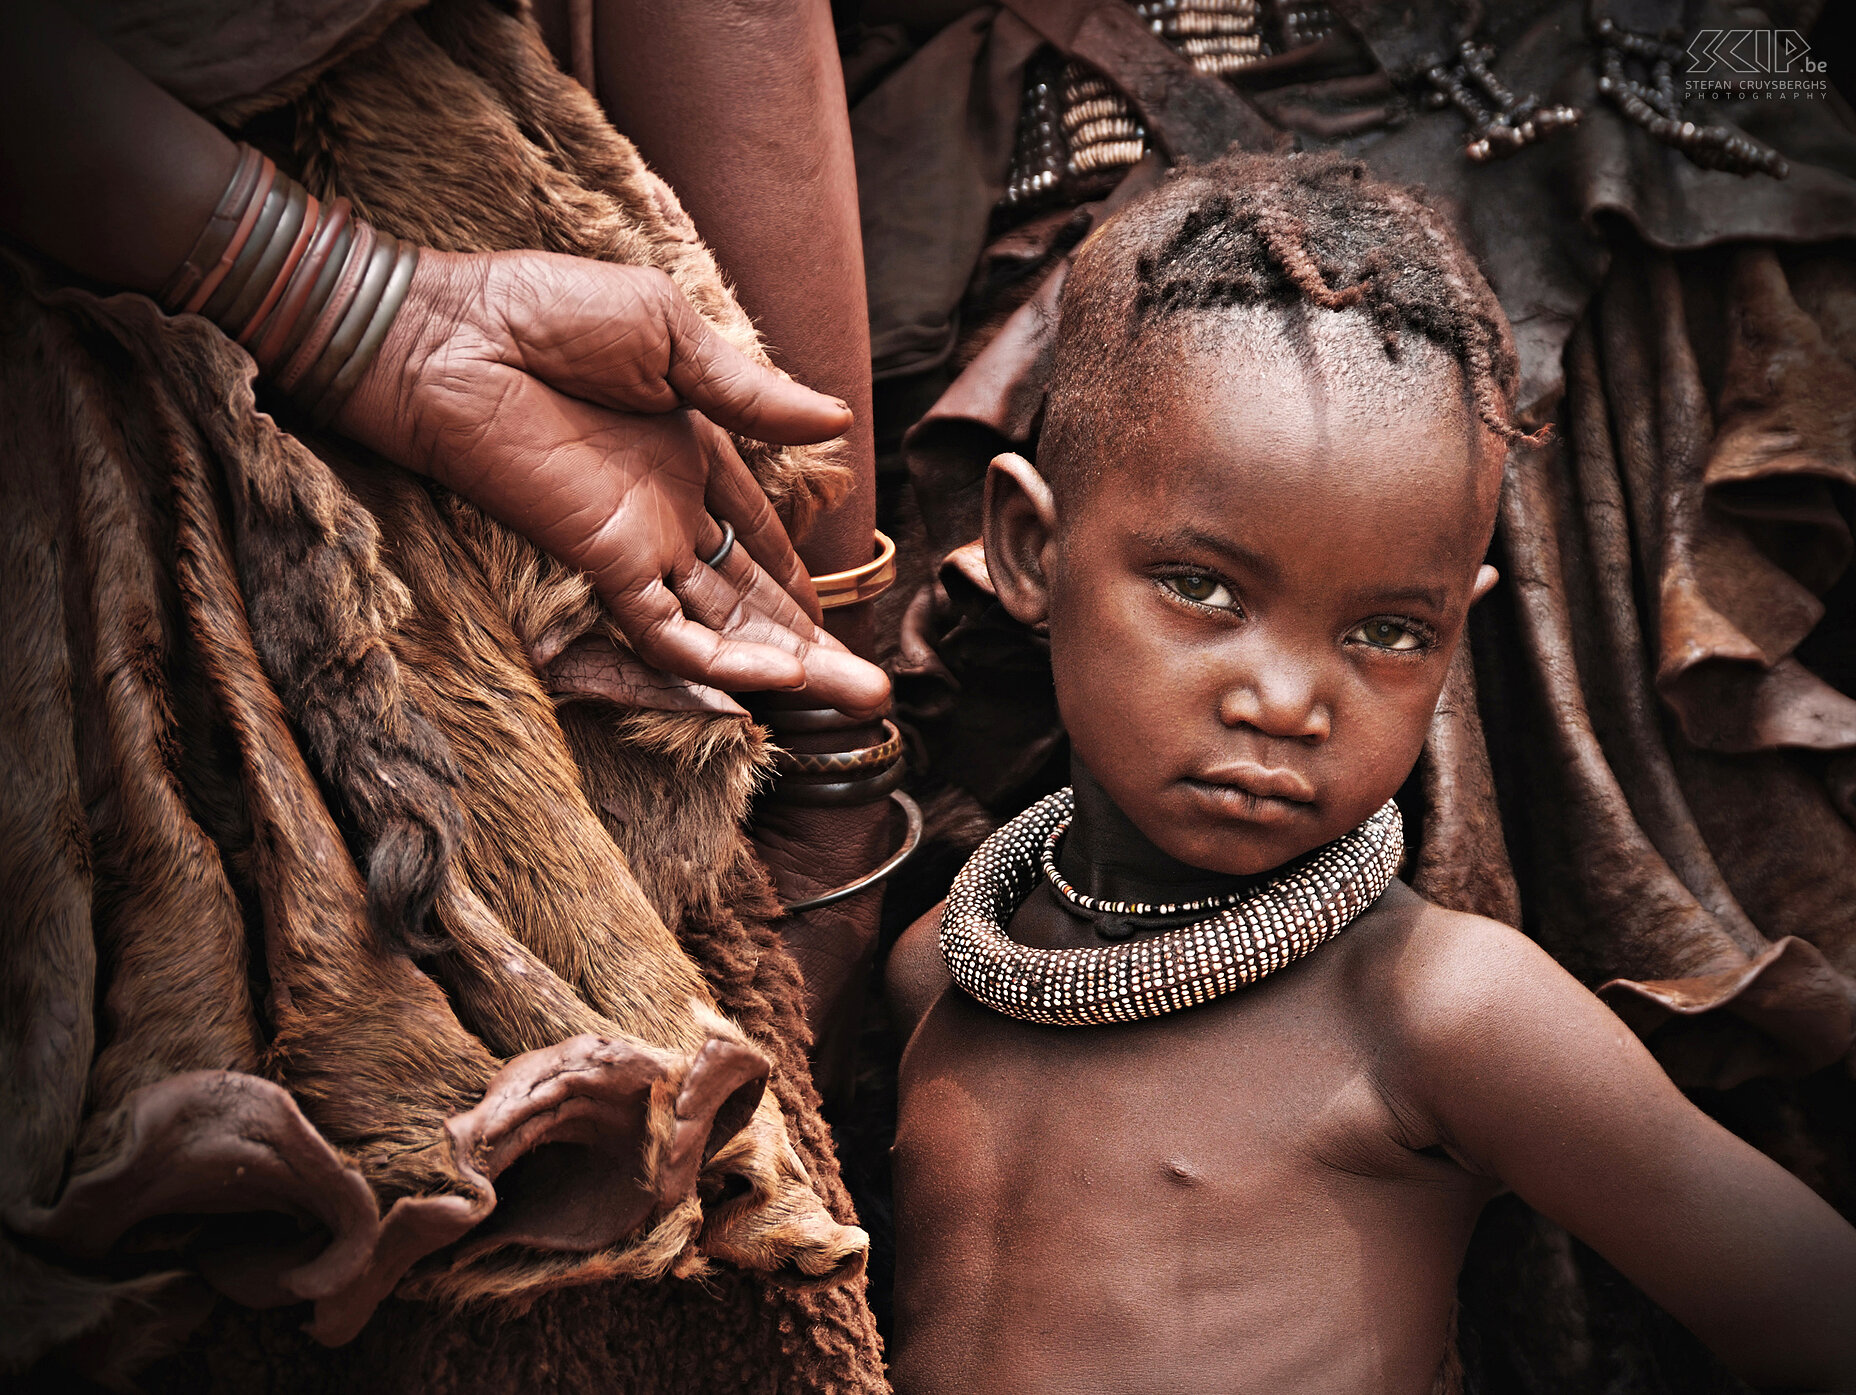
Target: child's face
{"type": "Point", "coordinates": [1253, 606]}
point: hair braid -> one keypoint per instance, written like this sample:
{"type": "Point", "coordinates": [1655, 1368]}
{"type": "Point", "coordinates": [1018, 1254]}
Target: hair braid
{"type": "Point", "coordinates": [1273, 230]}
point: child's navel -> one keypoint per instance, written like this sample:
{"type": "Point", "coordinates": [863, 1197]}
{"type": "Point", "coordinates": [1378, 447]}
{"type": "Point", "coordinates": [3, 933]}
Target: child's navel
{"type": "Point", "coordinates": [1182, 1173]}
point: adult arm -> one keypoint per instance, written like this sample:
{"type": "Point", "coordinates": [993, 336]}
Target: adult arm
{"type": "Point", "coordinates": [1533, 1081]}
{"type": "Point", "coordinates": [489, 380]}
{"type": "Point", "coordinates": [740, 105]}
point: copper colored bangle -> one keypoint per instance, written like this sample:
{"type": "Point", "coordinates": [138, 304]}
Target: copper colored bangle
{"type": "Point", "coordinates": [313, 271]}
{"type": "Point", "coordinates": [309, 353]}
{"type": "Point", "coordinates": [382, 257]}
{"type": "Point", "coordinates": [238, 280]}
{"type": "Point", "coordinates": [377, 326]}
{"type": "Point", "coordinates": [262, 277]}
{"type": "Point", "coordinates": [234, 252]}
{"type": "Point", "coordinates": [879, 756]}
{"type": "Point", "coordinates": [911, 840]}
{"type": "Point", "coordinates": [279, 280]}
{"type": "Point", "coordinates": [838, 794]}
{"type": "Point", "coordinates": [321, 295]}
{"type": "Point", "coordinates": [218, 231]}
{"type": "Point", "coordinates": [859, 584]}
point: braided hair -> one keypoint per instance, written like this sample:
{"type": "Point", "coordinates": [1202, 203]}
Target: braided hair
{"type": "Point", "coordinates": [1269, 230]}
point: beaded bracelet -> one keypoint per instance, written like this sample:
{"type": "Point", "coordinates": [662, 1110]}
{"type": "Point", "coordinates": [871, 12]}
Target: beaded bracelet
{"type": "Point", "coordinates": [859, 584]}
{"type": "Point", "coordinates": [308, 288]}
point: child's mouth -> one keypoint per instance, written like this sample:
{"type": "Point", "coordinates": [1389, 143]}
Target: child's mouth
{"type": "Point", "coordinates": [1254, 794]}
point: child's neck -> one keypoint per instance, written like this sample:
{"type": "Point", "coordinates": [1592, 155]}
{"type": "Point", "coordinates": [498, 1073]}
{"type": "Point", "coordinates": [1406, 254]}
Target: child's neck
{"type": "Point", "coordinates": [1105, 856]}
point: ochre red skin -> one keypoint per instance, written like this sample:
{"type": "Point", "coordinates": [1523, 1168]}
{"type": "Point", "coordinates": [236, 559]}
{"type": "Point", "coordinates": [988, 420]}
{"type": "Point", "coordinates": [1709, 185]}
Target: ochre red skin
{"type": "Point", "coordinates": [1273, 1192]}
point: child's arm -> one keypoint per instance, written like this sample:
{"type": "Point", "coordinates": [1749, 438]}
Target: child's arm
{"type": "Point", "coordinates": [1534, 1081]}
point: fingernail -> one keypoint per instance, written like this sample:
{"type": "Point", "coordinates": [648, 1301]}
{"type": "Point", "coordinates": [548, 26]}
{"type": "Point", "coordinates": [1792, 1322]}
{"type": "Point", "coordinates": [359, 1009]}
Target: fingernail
{"type": "Point", "coordinates": [842, 403]}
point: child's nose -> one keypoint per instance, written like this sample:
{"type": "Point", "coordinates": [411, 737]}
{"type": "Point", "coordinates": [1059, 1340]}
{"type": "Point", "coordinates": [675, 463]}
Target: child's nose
{"type": "Point", "coordinates": [1278, 700]}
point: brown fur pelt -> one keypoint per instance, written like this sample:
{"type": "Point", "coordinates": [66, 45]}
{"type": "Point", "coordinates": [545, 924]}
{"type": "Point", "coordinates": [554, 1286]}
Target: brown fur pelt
{"type": "Point", "coordinates": [473, 995]}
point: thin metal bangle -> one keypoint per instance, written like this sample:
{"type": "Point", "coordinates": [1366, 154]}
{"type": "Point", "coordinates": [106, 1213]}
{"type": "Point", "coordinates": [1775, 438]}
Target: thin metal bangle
{"type": "Point", "coordinates": [859, 584]}
{"type": "Point", "coordinates": [309, 358]}
{"type": "Point", "coordinates": [213, 275]}
{"type": "Point", "coordinates": [838, 794]}
{"type": "Point", "coordinates": [381, 257]}
{"type": "Point", "coordinates": [263, 277]}
{"type": "Point", "coordinates": [217, 232]}
{"type": "Point", "coordinates": [311, 282]}
{"type": "Point", "coordinates": [379, 322]}
{"type": "Point", "coordinates": [299, 352]}
{"type": "Point", "coordinates": [251, 250]}
{"type": "Point", "coordinates": [911, 840]}
{"type": "Point", "coordinates": [808, 720]}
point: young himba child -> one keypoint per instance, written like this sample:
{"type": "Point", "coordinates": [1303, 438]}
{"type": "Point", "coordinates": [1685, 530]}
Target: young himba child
{"type": "Point", "coordinates": [1249, 1157]}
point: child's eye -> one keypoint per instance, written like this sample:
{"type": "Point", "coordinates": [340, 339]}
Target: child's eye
{"type": "Point", "coordinates": [1203, 590]}
{"type": "Point", "coordinates": [1386, 634]}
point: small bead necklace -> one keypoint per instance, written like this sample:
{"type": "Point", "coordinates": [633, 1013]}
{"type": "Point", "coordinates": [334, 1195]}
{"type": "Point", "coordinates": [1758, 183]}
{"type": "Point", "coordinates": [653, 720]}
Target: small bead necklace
{"type": "Point", "coordinates": [1047, 860]}
{"type": "Point", "coordinates": [1263, 932]}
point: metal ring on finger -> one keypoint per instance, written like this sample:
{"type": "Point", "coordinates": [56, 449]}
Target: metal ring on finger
{"type": "Point", "coordinates": [714, 563]}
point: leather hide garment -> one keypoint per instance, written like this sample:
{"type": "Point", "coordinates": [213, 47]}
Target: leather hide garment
{"type": "Point", "coordinates": [378, 924]}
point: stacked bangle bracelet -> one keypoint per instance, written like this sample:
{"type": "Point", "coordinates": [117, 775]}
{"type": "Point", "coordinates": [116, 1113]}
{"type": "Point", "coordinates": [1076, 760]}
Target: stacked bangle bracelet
{"type": "Point", "coordinates": [843, 779]}
{"type": "Point", "coordinates": [307, 287]}
{"type": "Point", "coordinates": [835, 779]}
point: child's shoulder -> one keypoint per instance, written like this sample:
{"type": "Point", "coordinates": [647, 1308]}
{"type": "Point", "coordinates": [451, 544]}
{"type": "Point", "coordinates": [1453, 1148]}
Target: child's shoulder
{"type": "Point", "coordinates": [1438, 958]}
{"type": "Point", "coordinates": [915, 974]}
{"type": "Point", "coordinates": [1445, 989]}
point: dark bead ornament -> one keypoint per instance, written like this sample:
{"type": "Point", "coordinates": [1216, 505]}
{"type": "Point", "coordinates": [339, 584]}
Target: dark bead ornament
{"type": "Point", "coordinates": [1039, 152]}
{"type": "Point", "coordinates": [1304, 22]}
{"type": "Point", "coordinates": [1500, 123]}
{"type": "Point", "coordinates": [1074, 125]}
{"type": "Point", "coordinates": [1650, 100]}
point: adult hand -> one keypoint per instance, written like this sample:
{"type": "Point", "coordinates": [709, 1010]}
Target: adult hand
{"type": "Point", "coordinates": [583, 405]}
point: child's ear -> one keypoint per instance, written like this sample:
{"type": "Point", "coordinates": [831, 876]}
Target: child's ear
{"type": "Point", "coordinates": [1020, 525]}
{"type": "Point", "coordinates": [1485, 583]}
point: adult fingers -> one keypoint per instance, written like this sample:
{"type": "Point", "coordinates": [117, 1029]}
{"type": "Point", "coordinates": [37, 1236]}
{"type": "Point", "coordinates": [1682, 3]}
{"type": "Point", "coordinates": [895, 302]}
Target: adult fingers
{"type": "Point", "coordinates": [626, 337]}
{"type": "Point", "coordinates": [742, 602]}
{"type": "Point", "coordinates": [734, 391]}
{"type": "Point", "coordinates": [735, 495]}
{"type": "Point", "coordinates": [657, 629]}
{"type": "Point", "coordinates": [738, 581]}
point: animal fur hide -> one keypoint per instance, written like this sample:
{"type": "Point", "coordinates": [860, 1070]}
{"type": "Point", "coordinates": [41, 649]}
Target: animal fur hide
{"type": "Point", "coordinates": [359, 945]}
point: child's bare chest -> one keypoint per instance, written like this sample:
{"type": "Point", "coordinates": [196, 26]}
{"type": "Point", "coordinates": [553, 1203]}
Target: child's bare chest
{"type": "Point", "coordinates": [1175, 1193]}
{"type": "Point", "coordinates": [1209, 1103]}
{"type": "Point", "coordinates": [1203, 1182]}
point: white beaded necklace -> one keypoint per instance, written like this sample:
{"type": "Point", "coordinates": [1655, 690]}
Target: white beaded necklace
{"type": "Point", "coordinates": [1267, 931]}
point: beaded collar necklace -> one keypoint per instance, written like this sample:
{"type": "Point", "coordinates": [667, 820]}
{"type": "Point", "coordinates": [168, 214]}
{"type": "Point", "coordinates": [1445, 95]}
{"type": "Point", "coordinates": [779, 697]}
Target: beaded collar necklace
{"type": "Point", "coordinates": [1267, 930]}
